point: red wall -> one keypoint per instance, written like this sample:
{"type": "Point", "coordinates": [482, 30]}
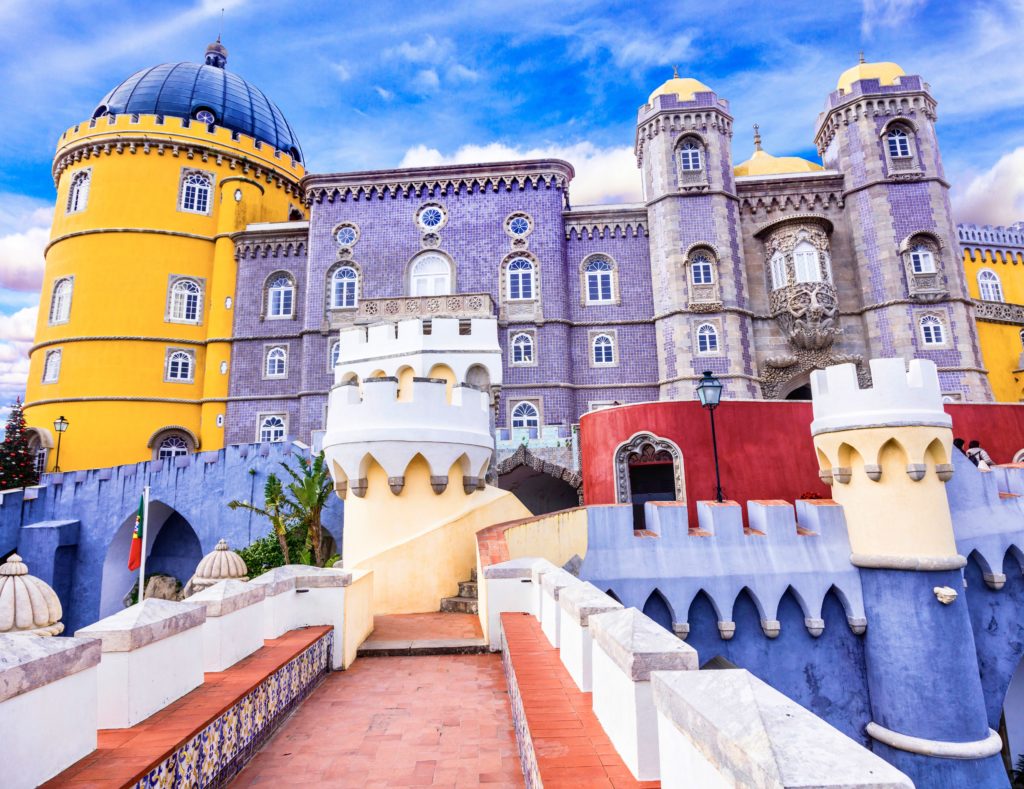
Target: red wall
{"type": "Point", "coordinates": [764, 447]}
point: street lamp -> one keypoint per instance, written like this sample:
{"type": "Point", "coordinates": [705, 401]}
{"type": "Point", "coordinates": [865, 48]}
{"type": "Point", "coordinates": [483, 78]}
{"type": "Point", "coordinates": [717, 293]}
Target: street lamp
{"type": "Point", "coordinates": [709, 390]}
{"type": "Point", "coordinates": [60, 424]}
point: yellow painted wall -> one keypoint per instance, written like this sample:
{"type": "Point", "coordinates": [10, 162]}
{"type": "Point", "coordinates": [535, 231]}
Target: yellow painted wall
{"type": "Point", "coordinates": [1001, 345]}
{"type": "Point", "coordinates": [115, 342]}
{"type": "Point", "coordinates": [358, 615]}
{"type": "Point", "coordinates": [419, 544]}
{"type": "Point", "coordinates": [556, 537]}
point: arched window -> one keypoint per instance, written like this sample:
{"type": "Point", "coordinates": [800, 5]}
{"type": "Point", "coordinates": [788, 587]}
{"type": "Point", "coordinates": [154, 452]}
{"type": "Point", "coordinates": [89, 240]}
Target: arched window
{"type": "Point", "coordinates": [989, 285]}
{"type": "Point", "coordinates": [335, 352]}
{"type": "Point", "coordinates": [60, 301]}
{"type": "Point", "coordinates": [599, 280]}
{"type": "Point", "coordinates": [701, 269]}
{"type": "Point", "coordinates": [520, 280]}
{"type": "Point", "coordinates": [277, 363]}
{"type": "Point", "coordinates": [522, 349]}
{"type": "Point", "coordinates": [922, 260]}
{"type": "Point", "coordinates": [51, 367]}
{"type": "Point", "coordinates": [78, 192]}
{"type": "Point", "coordinates": [343, 288]}
{"type": "Point", "coordinates": [805, 262]}
{"type": "Point", "coordinates": [525, 415]}
{"type": "Point", "coordinates": [272, 428]}
{"type": "Point", "coordinates": [186, 296]}
{"type": "Point", "coordinates": [932, 331]}
{"type": "Point", "coordinates": [172, 447]}
{"type": "Point", "coordinates": [603, 350]}
{"type": "Point", "coordinates": [179, 366]}
{"type": "Point", "coordinates": [707, 338]}
{"type": "Point", "coordinates": [899, 143]}
{"type": "Point", "coordinates": [689, 156]}
{"type": "Point", "coordinates": [778, 268]}
{"type": "Point", "coordinates": [195, 192]}
{"type": "Point", "coordinates": [281, 297]}
{"type": "Point", "coordinates": [430, 276]}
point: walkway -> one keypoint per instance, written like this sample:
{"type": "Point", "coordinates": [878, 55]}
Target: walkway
{"type": "Point", "coordinates": [438, 720]}
{"type": "Point", "coordinates": [424, 634]}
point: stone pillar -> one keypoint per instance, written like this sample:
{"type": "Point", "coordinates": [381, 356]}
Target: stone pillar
{"type": "Point", "coordinates": [886, 453]}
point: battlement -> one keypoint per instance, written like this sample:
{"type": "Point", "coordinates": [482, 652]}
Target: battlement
{"type": "Point", "coordinates": [146, 133]}
{"type": "Point", "coordinates": [371, 423]}
{"type": "Point", "coordinates": [897, 398]}
{"type": "Point", "coordinates": [991, 235]}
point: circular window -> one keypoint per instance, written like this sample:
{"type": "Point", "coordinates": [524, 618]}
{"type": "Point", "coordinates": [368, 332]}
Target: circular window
{"type": "Point", "coordinates": [346, 235]}
{"type": "Point", "coordinates": [205, 116]}
{"type": "Point", "coordinates": [431, 217]}
{"type": "Point", "coordinates": [518, 225]}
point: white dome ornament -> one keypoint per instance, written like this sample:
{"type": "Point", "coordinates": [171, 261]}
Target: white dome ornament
{"type": "Point", "coordinates": [220, 564]}
{"type": "Point", "coordinates": [28, 606]}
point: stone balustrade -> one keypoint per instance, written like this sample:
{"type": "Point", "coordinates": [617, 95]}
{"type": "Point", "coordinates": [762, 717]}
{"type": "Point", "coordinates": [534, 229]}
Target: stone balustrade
{"type": "Point", "coordinates": [454, 305]}
{"type": "Point", "coordinates": [48, 706]}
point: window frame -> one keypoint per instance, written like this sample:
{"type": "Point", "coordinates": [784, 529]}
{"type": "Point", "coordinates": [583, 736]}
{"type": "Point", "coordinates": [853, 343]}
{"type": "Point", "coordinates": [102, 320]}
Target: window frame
{"type": "Point", "coordinates": [280, 354]}
{"type": "Point", "coordinates": [534, 430]}
{"type": "Point", "coordinates": [918, 253]}
{"type": "Point", "coordinates": [169, 358]}
{"type": "Point", "coordinates": [53, 320]}
{"type": "Point", "coordinates": [175, 281]}
{"type": "Point", "coordinates": [693, 151]}
{"type": "Point", "coordinates": [989, 280]}
{"type": "Point", "coordinates": [802, 250]}
{"type": "Point", "coordinates": [712, 333]}
{"type": "Point", "coordinates": [778, 270]}
{"type": "Point", "coordinates": [515, 279]}
{"type": "Point", "coordinates": [597, 277]}
{"type": "Point", "coordinates": [928, 339]}
{"type": "Point", "coordinates": [333, 355]}
{"type": "Point", "coordinates": [210, 180]}
{"type": "Point", "coordinates": [263, 418]}
{"type": "Point", "coordinates": [595, 343]}
{"type": "Point", "coordinates": [701, 261]}
{"type": "Point", "coordinates": [52, 354]}
{"type": "Point", "coordinates": [348, 283]}
{"type": "Point", "coordinates": [896, 137]}
{"type": "Point", "coordinates": [413, 278]}
{"type": "Point", "coordinates": [184, 446]}
{"type": "Point", "coordinates": [272, 288]}
{"type": "Point", "coordinates": [530, 341]}
{"type": "Point", "coordinates": [695, 147]}
{"type": "Point", "coordinates": [81, 181]}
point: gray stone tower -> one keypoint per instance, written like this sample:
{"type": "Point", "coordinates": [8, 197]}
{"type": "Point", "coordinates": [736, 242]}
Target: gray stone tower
{"type": "Point", "coordinates": [878, 129]}
{"type": "Point", "coordinates": [683, 146]}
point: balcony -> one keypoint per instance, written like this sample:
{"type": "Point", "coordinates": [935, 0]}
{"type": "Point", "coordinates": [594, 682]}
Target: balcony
{"type": "Point", "coordinates": [455, 305]}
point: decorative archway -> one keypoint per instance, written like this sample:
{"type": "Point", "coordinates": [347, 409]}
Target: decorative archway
{"type": "Point", "coordinates": [572, 482]}
{"type": "Point", "coordinates": [647, 449]}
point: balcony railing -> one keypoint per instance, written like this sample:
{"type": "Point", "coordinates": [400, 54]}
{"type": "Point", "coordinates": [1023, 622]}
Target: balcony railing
{"type": "Point", "coordinates": [456, 305]}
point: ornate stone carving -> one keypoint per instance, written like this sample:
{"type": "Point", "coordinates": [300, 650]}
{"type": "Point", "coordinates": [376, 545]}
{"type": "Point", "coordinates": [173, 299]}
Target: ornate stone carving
{"type": "Point", "coordinates": [646, 448]}
{"type": "Point", "coordinates": [779, 371]}
{"type": "Point", "coordinates": [999, 312]}
{"type": "Point", "coordinates": [460, 305]}
{"type": "Point", "coordinates": [807, 314]}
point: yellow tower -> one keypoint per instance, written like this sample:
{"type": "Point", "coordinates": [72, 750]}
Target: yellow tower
{"type": "Point", "coordinates": [133, 343]}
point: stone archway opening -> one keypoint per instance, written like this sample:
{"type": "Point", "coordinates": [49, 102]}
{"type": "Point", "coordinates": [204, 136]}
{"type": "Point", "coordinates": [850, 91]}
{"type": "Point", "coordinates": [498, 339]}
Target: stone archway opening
{"type": "Point", "coordinates": [648, 468]}
{"type": "Point", "coordinates": [541, 486]}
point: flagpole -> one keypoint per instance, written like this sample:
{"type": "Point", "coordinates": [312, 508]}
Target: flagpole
{"type": "Point", "coordinates": [145, 523]}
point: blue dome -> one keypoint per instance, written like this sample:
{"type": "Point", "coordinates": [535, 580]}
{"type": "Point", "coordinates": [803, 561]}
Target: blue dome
{"type": "Point", "coordinates": [183, 90]}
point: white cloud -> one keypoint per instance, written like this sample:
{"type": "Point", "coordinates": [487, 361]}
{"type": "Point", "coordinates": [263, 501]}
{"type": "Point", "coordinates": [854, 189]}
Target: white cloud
{"type": "Point", "coordinates": [603, 175]}
{"type": "Point", "coordinates": [342, 71]}
{"type": "Point", "coordinates": [384, 93]}
{"type": "Point", "coordinates": [430, 50]}
{"type": "Point", "coordinates": [460, 73]}
{"type": "Point", "coordinates": [887, 13]}
{"type": "Point", "coordinates": [642, 52]}
{"type": "Point", "coordinates": [24, 231]}
{"type": "Point", "coordinates": [995, 197]}
{"type": "Point", "coordinates": [426, 81]}
{"type": "Point", "coordinates": [16, 334]}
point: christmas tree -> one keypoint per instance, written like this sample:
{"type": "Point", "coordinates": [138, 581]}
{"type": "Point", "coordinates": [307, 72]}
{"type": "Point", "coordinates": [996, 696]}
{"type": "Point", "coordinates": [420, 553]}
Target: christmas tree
{"type": "Point", "coordinates": [17, 460]}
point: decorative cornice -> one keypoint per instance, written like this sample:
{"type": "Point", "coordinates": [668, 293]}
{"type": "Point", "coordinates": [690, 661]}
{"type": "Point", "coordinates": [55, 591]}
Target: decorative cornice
{"type": "Point", "coordinates": [144, 230]}
{"type": "Point", "coordinates": [895, 179]}
{"type": "Point", "coordinates": [286, 244]}
{"type": "Point", "coordinates": [871, 105]}
{"type": "Point", "coordinates": [119, 338]}
{"type": "Point", "coordinates": [417, 181]}
{"type": "Point", "coordinates": [816, 200]}
{"type": "Point", "coordinates": [605, 222]}
{"type": "Point", "coordinates": [677, 120]}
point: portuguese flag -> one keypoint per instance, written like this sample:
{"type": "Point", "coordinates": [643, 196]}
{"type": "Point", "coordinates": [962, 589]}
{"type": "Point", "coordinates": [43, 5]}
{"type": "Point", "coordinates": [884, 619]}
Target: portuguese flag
{"type": "Point", "coordinates": [135, 554]}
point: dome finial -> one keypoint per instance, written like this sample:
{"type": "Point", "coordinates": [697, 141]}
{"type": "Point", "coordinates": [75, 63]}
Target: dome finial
{"type": "Point", "coordinates": [675, 72]}
{"type": "Point", "coordinates": [757, 137]}
{"type": "Point", "coordinates": [861, 57]}
{"type": "Point", "coordinates": [217, 53]}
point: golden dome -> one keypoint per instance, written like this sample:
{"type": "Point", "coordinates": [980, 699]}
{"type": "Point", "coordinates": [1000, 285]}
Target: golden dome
{"type": "Point", "coordinates": [683, 88]}
{"type": "Point", "coordinates": [762, 163]}
{"type": "Point", "coordinates": [27, 604]}
{"type": "Point", "coordinates": [885, 73]}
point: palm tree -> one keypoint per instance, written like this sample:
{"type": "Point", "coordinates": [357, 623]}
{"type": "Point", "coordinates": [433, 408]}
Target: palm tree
{"type": "Point", "coordinates": [275, 509]}
{"type": "Point", "coordinates": [306, 497]}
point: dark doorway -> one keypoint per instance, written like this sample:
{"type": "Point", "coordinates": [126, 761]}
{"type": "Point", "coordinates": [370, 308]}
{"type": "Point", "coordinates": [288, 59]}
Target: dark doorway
{"type": "Point", "coordinates": [540, 492]}
{"type": "Point", "coordinates": [800, 393]}
{"type": "Point", "coordinates": [650, 480]}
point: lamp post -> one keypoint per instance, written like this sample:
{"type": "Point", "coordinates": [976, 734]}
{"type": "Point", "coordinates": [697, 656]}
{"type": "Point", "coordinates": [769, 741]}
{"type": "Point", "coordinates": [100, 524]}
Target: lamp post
{"type": "Point", "coordinates": [709, 390]}
{"type": "Point", "coordinates": [60, 424]}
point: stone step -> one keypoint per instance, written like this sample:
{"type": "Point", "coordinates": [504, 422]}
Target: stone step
{"type": "Point", "coordinates": [460, 605]}
{"type": "Point", "coordinates": [424, 646]}
{"type": "Point", "coordinates": [472, 574]}
{"type": "Point", "coordinates": [467, 589]}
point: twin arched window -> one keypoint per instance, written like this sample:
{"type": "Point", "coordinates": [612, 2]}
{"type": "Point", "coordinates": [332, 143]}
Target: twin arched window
{"type": "Point", "coordinates": [520, 280]}
{"type": "Point", "coordinates": [525, 415]}
{"type": "Point", "coordinates": [989, 286]}
{"type": "Point", "coordinates": [522, 349]}
{"type": "Point", "coordinates": [599, 281]}
{"type": "Point", "coordinates": [60, 301]}
{"type": "Point", "coordinates": [603, 349]}
{"type": "Point", "coordinates": [701, 271]}
{"type": "Point", "coordinates": [707, 338]}
{"type": "Point", "coordinates": [430, 275]}
{"type": "Point", "coordinates": [932, 331]}
{"type": "Point", "coordinates": [195, 192]}
{"type": "Point", "coordinates": [172, 447]}
{"type": "Point", "coordinates": [186, 300]}
{"type": "Point", "coordinates": [51, 367]}
{"type": "Point", "coordinates": [179, 366]}
{"type": "Point", "coordinates": [78, 192]}
{"type": "Point", "coordinates": [272, 428]}
{"type": "Point", "coordinates": [806, 262]}
{"type": "Point", "coordinates": [281, 297]}
{"type": "Point", "coordinates": [899, 143]}
{"type": "Point", "coordinates": [343, 288]}
{"type": "Point", "coordinates": [922, 260]}
{"type": "Point", "coordinates": [276, 365]}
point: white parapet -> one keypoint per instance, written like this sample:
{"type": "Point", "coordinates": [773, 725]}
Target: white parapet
{"type": "Point", "coordinates": [372, 424]}
{"type": "Point", "coordinates": [552, 583]}
{"type": "Point", "coordinates": [628, 646]}
{"type": "Point", "coordinates": [364, 350]}
{"type": "Point", "coordinates": [897, 397]}
{"type": "Point", "coordinates": [508, 586]}
{"type": "Point", "coordinates": [48, 697]}
{"type": "Point", "coordinates": [234, 622]}
{"type": "Point", "coordinates": [722, 729]}
{"type": "Point", "coordinates": [577, 604]}
{"type": "Point", "coordinates": [152, 655]}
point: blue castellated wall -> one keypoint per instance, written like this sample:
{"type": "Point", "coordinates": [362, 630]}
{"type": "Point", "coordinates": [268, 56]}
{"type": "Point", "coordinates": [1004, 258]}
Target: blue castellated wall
{"type": "Point", "coordinates": [74, 529]}
{"type": "Point", "coordinates": [782, 600]}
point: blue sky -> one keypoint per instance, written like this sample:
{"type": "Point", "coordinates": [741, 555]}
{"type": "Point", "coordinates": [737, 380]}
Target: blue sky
{"type": "Point", "coordinates": [381, 84]}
